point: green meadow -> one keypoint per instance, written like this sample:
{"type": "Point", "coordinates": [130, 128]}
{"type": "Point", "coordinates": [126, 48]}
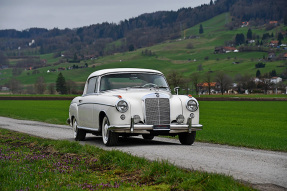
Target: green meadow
{"type": "Point", "coordinates": [254, 124]}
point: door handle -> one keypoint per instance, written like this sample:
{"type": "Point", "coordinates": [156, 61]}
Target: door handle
{"type": "Point", "coordinates": [80, 100]}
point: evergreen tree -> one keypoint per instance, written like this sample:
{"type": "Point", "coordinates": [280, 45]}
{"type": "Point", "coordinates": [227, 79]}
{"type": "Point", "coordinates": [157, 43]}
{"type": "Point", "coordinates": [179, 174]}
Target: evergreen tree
{"type": "Point", "coordinates": [249, 34]}
{"type": "Point", "coordinates": [273, 73]}
{"type": "Point", "coordinates": [61, 84]}
{"type": "Point", "coordinates": [239, 39]}
{"type": "Point", "coordinates": [280, 36]}
{"type": "Point", "coordinates": [131, 48]}
{"type": "Point", "coordinates": [200, 29]}
{"type": "Point", "coordinates": [258, 74]}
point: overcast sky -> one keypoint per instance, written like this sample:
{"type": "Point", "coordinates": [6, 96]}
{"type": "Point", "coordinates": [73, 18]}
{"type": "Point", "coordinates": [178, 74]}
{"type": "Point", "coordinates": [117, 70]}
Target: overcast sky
{"type": "Point", "coordinates": [24, 14]}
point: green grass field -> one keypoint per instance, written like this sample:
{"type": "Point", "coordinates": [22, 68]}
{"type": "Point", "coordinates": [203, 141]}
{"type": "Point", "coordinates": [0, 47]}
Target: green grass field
{"type": "Point", "coordinates": [31, 163]}
{"type": "Point", "coordinates": [255, 124]}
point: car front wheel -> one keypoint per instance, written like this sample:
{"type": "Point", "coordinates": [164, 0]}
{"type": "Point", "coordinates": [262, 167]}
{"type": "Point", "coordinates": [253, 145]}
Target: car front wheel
{"type": "Point", "coordinates": [109, 138]}
{"type": "Point", "coordinates": [79, 134]}
{"type": "Point", "coordinates": [187, 138]}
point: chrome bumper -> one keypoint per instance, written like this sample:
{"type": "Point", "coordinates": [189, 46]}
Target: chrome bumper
{"type": "Point", "coordinates": [142, 128]}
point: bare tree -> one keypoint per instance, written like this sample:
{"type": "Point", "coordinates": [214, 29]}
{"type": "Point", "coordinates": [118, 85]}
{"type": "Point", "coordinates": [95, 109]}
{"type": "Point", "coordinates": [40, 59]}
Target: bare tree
{"type": "Point", "coordinates": [15, 86]}
{"type": "Point", "coordinates": [244, 82]}
{"type": "Point", "coordinates": [51, 88]}
{"type": "Point", "coordinates": [195, 77]}
{"type": "Point", "coordinates": [208, 81]}
{"type": "Point", "coordinates": [40, 85]}
{"type": "Point", "coordinates": [175, 78]}
{"type": "Point", "coordinates": [71, 87]}
{"type": "Point", "coordinates": [224, 81]}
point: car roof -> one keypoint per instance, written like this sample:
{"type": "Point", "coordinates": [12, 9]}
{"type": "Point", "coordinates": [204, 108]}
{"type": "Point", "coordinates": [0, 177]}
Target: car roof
{"type": "Point", "coordinates": [122, 70]}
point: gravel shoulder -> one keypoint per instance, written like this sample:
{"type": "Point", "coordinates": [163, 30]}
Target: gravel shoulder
{"type": "Point", "coordinates": [267, 170]}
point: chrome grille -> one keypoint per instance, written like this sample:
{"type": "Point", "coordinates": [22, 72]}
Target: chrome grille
{"type": "Point", "coordinates": [157, 111]}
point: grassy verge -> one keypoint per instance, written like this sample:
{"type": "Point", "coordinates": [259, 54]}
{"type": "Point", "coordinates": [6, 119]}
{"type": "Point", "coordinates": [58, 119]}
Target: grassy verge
{"type": "Point", "coordinates": [254, 124]}
{"type": "Point", "coordinates": [30, 163]}
{"type": "Point", "coordinates": [55, 112]}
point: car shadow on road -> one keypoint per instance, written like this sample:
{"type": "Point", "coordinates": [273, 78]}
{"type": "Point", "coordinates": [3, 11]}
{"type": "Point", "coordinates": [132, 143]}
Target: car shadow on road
{"type": "Point", "coordinates": [129, 141]}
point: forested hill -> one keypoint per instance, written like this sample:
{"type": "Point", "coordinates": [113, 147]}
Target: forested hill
{"type": "Point", "coordinates": [142, 31]}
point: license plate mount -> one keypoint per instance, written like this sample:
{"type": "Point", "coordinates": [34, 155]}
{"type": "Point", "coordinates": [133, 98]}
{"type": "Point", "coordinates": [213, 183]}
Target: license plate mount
{"type": "Point", "coordinates": [161, 127]}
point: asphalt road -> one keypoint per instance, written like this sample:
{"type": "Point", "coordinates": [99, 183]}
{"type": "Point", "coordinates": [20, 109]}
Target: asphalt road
{"type": "Point", "coordinates": [266, 170]}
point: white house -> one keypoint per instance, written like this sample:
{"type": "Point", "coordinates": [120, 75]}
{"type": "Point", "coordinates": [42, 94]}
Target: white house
{"type": "Point", "coordinates": [275, 80]}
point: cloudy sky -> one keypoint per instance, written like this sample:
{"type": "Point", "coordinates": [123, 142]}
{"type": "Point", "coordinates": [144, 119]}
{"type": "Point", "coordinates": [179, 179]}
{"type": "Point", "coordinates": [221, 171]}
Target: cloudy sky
{"type": "Point", "coordinates": [24, 14]}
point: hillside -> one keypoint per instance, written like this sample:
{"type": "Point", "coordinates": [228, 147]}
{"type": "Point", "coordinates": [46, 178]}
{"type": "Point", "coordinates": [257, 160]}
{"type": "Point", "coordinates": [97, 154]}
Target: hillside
{"type": "Point", "coordinates": [188, 54]}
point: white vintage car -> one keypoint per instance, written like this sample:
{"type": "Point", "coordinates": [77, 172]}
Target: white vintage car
{"type": "Point", "coordinates": [130, 102]}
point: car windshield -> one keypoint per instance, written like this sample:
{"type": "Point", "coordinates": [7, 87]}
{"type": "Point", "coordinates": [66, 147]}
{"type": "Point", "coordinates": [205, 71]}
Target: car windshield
{"type": "Point", "coordinates": [132, 80]}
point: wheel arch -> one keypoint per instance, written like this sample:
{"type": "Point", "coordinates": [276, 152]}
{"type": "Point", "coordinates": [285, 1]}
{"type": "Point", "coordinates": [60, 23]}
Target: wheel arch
{"type": "Point", "coordinates": [101, 117]}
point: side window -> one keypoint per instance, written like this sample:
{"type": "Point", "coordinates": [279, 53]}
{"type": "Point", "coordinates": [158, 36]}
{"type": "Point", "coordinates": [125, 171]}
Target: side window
{"type": "Point", "coordinates": [92, 85]}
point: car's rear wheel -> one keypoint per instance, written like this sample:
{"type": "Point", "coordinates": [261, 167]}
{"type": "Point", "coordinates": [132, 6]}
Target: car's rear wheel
{"type": "Point", "coordinates": [109, 138]}
{"type": "Point", "coordinates": [187, 138]}
{"type": "Point", "coordinates": [79, 134]}
{"type": "Point", "coordinates": [148, 136]}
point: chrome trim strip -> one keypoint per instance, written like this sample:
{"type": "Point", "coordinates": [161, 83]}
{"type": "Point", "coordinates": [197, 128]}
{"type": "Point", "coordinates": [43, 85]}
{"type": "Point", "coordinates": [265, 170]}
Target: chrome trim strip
{"type": "Point", "coordinates": [87, 128]}
{"type": "Point", "coordinates": [95, 104]}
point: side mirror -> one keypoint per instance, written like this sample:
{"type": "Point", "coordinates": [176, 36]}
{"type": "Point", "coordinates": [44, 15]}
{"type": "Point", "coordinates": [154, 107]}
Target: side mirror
{"type": "Point", "coordinates": [176, 89]}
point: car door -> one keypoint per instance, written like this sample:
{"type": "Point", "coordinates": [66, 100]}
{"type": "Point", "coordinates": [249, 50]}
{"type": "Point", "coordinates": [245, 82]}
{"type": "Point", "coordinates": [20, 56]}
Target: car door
{"type": "Point", "coordinates": [86, 105]}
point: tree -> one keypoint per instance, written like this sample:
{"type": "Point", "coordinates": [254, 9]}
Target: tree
{"type": "Point", "coordinates": [200, 29]}
{"type": "Point", "coordinates": [15, 86]}
{"type": "Point", "coordinates": [280, 37]}
{"type": "Point", "coordinates": [208, 81]}
{"type": "Point", "coordinates": [211, 2]}
{"type": "Point", "coordinates": [258, 74]}
{"type": "Point", "coordinates": [3, 60]}
{"type": "Point", "coordinates": [224, 81]}
{"type": "Point", "coordinates": [131, 48]}
{"type": "Point", "coordinates": [40, 85]}
{"type": "Point", "coordinates": [175, 78]}
{"type": "Point", "coordinates": [246, 82]}
{"type": "Point", "coordinates": [249, 34]}
{"type": "Point", "coordinates": [260, 65]}
{"type": "Point", "coordinates": [195, 77]}
{"type": "Point", "coordinates": [51, 88]}
{"type": "Point", "coordinates": [61, 84]}
{"type": "Point", "coordinates": [273, 73]}
{"type": "Point", "coordinates": [239, 39]}
{"type": "Point", "coordinates": [71, 87]}
{"type": "Point", "coordinates": [75, 57]}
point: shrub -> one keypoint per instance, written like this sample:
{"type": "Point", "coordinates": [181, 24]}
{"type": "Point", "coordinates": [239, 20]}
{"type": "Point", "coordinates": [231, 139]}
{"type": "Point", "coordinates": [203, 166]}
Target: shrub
{"type": "Point", "coordinates": [260, 65]}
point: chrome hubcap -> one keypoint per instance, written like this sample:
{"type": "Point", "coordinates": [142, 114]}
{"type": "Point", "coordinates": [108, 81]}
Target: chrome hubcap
{"type": "Point", "coordinates": [105, 131]}
{"type": "Point", "coordinates": [75, 128]}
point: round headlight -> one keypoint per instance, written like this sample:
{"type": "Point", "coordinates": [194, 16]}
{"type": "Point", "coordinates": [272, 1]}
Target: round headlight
{"type": "Point", "coordinates": [122, 106]}
{"type": "Point", "coordinates": [191, 105]}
